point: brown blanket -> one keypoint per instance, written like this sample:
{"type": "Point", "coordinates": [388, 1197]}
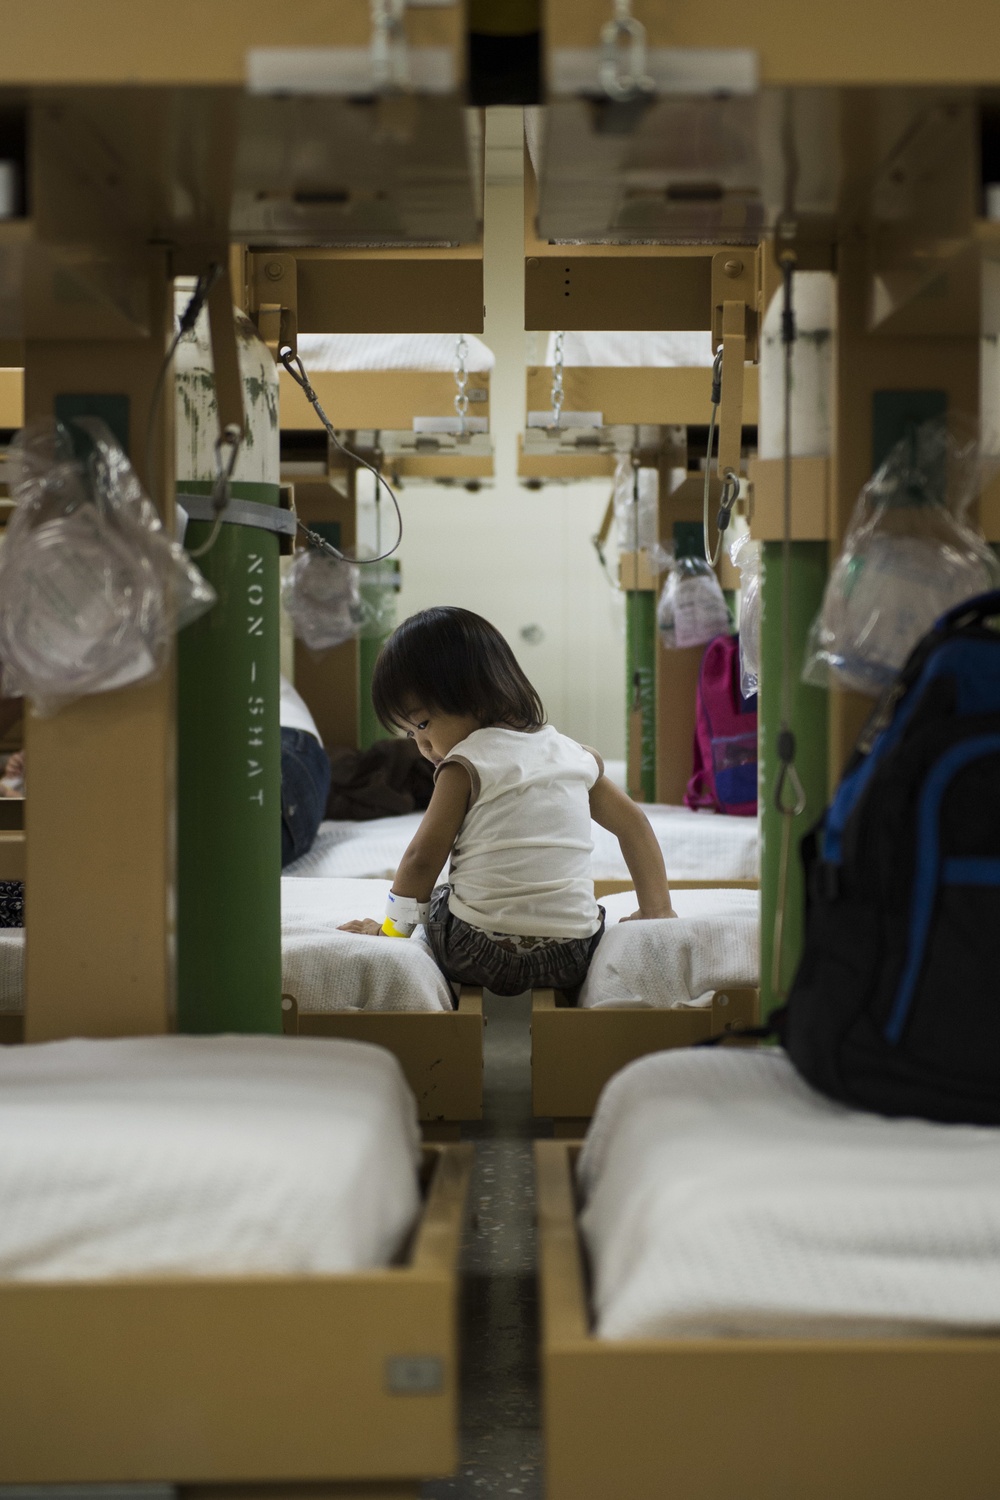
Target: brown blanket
{"type": "Point", "coordinates": [384, 781]}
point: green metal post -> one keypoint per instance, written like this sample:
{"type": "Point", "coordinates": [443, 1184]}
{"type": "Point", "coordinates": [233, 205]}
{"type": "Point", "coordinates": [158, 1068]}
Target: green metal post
{"type": "Point", "coordinates": [808, 572]}
{"type": "Point", "coordinates": [640, 665]}
{"type": "Point", "coordinates": [229, 742]}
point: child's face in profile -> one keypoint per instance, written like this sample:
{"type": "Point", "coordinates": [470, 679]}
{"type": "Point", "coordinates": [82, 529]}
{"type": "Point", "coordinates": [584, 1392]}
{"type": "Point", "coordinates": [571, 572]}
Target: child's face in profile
{"type": "Point", "coordinates": [435, 733]}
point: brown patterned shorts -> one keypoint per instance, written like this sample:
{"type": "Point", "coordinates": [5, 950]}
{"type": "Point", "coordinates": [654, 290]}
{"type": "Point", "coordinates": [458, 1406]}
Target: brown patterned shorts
{"type": "Point", "coordinates": [506, 966]}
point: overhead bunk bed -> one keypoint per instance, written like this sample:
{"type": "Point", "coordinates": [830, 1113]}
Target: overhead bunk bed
{"type": "Point", "coordinates": [747, 1289]}
{"type": "Point", "coordinates": [416, 406]}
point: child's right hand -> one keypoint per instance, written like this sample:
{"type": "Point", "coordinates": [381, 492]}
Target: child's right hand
{"type": "Point", "coordinates": [365, 925]}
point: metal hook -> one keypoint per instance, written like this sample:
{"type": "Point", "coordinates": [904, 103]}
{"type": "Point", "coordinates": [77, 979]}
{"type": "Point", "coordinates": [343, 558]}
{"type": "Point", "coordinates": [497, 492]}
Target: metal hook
{"type": "Point", "coordinates": [789, 776]}
{"type": "Point", "coordinates": [622, 69]}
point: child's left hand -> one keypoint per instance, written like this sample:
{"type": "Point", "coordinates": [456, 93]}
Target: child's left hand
{"type": "Point", "coordinates": [648, 916]}
{"type": "Point", "coordinates": [366, 926]}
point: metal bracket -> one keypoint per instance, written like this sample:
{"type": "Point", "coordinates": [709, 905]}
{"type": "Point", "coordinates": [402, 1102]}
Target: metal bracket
{"type": "Point", "coordinates": [225, 354]}
{"type": "Point", "coordinates": [273, 280]}
{"type": "Point", "coordinates": [734, 326]}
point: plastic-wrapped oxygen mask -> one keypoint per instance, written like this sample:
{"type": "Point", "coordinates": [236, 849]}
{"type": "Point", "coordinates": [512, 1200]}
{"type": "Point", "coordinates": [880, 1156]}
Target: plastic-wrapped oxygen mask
{"type": "Point", "coordinates": [692, 610]}
{"type": "Point", "coordinates": [745, 555]}
{"type": "Point", "coordinates": [91, 587]}
{"type": "Point", "coordinates": [322, 597]}
{"type": "Point", "coordinates": [908, 557]}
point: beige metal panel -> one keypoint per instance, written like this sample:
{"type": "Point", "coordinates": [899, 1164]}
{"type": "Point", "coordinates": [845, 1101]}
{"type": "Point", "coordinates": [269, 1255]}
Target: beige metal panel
{"type": "Point", "coordinates": [623, 395]}
{"type": "Point", "coordinates": [853, 42]}
{"type": "Point", "coordinates": [239, 1379]}
{"type": "Point", "coordinates": [12, 858]}
{"type": "Point", "coordinates": [441, 1053]}
{"type": "Point", "coordinates": [101, 809]}
{"type": "Point", "coordinates": [581, 465]}
{"type": "Point", "coordinates": [575, 1052]}
{"type": "Point", "coordinates": [385, 400]}
{"type": "Point", "coordinates": [116, 41]}
{"type": "Point", "coordinates": [642, 1417]}
{"type": "Point", "coordinates": [566, 287]}
{"type": "Point", "coordinates": [811, 499]}
{"type": "Point", "coordinates": [616, 287]}
{"type": "Point", "coordinates": [391, 291]}
{"type": "Point", "coordinates": [11, 397]}
{"type": "Point", "coordinates": [442, 466]}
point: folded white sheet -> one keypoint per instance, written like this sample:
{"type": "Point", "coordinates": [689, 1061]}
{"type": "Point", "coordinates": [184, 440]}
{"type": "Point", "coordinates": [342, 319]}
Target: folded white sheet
{"type": "Point", "coordinates": [324, 969]}
{"type": "Point", "coordinates": [724, 1197]}
{"type": "Point", "coordinates": [390, 351]}
{"type": "Point", "coordinates": [327, 970]}
{"type": "Point", "coordinates": [712, 944]}
{"type": "Point", "coordinates": [696, 846]}
{"type": "Point", "coordinates": [203, 1156]}
{"type": "Point", "coordinates": [652, 350]}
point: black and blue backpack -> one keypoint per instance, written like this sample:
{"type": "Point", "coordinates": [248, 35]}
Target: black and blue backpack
{"type": "Point", "coordinates": [895, 1006]}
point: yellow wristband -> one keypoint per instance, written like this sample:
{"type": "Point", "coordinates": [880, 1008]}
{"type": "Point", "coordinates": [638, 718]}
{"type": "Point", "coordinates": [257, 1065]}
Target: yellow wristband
{"type": "Point", "coordinates": [389, 929]}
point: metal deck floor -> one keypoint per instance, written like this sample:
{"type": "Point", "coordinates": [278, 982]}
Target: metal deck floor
{"type": "Point", "coordinates": [501, 1439]}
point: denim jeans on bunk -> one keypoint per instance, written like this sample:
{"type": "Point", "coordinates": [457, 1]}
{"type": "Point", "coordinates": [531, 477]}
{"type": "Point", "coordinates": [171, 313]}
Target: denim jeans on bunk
{"type": "Point", "coordinates": [467, 955]}
{"type": "Point", "coordinates": [305, 785]}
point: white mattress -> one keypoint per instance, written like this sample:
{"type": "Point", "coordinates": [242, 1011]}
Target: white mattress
{"type": "Point", "coordinates": [650, 350]}
{"type": "Point", "coordinates": [390, 351]}
{"type": "Point", "coordinates": [327, 970]}
{"type": "Point", "coordinates": [696, 846]}
{"type": "Point", "coordinates": [724, 1197]}
{"type": "Point", "coordinates": [203, 1156]}
{"type": "Point", "coordinates": [712, 944]}
{"type": "Point", "coordinates": [324, 969]}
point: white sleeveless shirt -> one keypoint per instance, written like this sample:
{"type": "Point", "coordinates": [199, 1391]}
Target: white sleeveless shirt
{"type": "Point", "coordinates": [522, 860]}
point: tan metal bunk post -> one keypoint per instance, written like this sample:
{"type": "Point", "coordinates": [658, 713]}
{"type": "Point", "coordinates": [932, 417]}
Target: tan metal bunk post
{"type": "Point", "coordinates": [100, 815]}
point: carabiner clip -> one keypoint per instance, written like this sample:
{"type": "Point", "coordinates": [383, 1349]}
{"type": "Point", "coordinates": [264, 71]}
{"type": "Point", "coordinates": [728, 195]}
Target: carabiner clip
{"type": "Point", "coordinates": [622, 69]}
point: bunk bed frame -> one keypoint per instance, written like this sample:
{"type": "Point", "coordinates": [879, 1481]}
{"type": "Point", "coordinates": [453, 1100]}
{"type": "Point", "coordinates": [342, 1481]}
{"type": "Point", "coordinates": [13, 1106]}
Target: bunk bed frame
{"type": "Point", "coordinates": [343, 1380]}
{"type": "Point", "coordinates": [764, 1419]}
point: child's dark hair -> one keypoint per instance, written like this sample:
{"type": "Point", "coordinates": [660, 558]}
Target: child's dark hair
{"type": "Point", "coordinates": [458, 663]}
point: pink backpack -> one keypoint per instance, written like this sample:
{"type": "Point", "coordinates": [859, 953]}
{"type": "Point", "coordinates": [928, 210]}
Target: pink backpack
{"type": "Point", "coordinates": [725, 735]}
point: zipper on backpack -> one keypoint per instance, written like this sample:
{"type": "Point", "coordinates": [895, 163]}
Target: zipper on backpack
{"type": "Point", "coordinates": [929, 867]}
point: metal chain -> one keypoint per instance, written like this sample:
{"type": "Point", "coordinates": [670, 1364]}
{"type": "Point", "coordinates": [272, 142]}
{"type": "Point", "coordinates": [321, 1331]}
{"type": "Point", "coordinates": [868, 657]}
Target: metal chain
{"type": "Point", "coordinates": [622, 68]}
{"type": "Point", "coordinates": [461, 381]}
{"type": "Point", "coordinates": [557, 381]}
{"type": "Point", "coordinates": [390, 59]}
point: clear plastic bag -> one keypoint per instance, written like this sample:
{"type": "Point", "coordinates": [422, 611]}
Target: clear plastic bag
{"type": "Point", "coordinates": [908, 557]}
{"type": "Point", "coordinates": [92, 589]}
{"type": "Point", "coordinates": [745, 555]}
{"type": "Point", "coordinates": [322, 597]}
{"type": "Point", "coordinates": [692, 610]}
{"type": "Point", "coordinates": [636, 519]}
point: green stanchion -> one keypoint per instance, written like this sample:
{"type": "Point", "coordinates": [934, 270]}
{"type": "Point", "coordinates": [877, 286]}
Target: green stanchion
{"type": "Point", "coordinates": [640, 665]}
{"type": "Point", "coordinates": [229, 785]}
{"type": "Point", "coordinates": [809, 722]}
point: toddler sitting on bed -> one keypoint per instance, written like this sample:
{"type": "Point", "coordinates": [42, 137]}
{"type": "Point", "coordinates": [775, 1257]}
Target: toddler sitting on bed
{"type": "Point", "coordinates": [512, 804]}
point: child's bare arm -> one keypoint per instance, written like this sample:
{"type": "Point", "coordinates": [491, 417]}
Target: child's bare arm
{"type": "Point", "coordinates": [431, 845]}
{"type": "Point", "coordinates": [616, 812]}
